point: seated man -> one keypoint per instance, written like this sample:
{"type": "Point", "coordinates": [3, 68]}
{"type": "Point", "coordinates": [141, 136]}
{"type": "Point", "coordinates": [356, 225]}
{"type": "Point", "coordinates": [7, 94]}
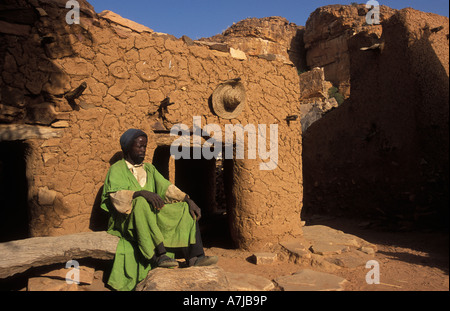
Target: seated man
{"type": "Point", "coordinates": [155, 220]}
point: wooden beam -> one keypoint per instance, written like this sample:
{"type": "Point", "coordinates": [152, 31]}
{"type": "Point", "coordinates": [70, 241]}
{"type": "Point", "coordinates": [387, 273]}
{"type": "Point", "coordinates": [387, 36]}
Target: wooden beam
{"type": "Point", "coordinates": [27, 131]}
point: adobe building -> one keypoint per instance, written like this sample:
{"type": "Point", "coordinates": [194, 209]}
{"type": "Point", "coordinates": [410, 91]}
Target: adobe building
{"type": "Point", "coordinates": [68, 92]}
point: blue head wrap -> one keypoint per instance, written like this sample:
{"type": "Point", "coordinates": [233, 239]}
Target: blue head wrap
{"type": "Point", "coordinates": [127, 138]}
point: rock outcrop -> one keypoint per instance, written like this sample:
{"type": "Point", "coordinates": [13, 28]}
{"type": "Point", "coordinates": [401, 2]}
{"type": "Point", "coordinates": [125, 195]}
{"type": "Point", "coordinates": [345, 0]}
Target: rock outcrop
{"type": "Point", "coordinates": [327, 31]}
{"type": "Point", "coordinates": [316, 97]}
{"type": "Point", "coordinates": [272, 38]}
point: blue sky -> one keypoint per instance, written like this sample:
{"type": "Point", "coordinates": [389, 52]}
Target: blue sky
{"type": "Point", "coordinates": [205, 18]}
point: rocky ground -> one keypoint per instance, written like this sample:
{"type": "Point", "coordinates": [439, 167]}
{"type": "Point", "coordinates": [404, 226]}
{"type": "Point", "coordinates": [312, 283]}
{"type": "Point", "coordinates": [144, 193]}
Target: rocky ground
{"type": "Point", "coordinates": [331, 256]}
{"type": "Point", "coordinates": [409, 261]}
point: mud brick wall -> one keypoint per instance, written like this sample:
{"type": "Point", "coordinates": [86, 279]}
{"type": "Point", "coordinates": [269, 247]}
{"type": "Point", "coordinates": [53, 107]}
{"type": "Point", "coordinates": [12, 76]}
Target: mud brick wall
{"type": "Point", "coordinates": [387, 155]}
{"type": "Point", "coordinates": [129, 70]}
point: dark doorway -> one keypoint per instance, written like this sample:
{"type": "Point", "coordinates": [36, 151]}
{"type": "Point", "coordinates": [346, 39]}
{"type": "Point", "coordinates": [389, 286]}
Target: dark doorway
{"type": "Point", "coordinates": [205, 181]}
{"type": "Point", "coordinates": [161, 160]}
{"type": "Point", "coordinates": [13, 191]}
{"type": "Point", "coordinates": [197, 178]}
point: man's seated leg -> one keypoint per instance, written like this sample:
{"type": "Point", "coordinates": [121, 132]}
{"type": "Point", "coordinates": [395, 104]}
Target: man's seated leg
{"type": "Point", "coordinates": [161, 260]}
{"type": "Point", "coordinates": [197, 255]}
{"type": "Point", "coordinates": [143, 226]}
{"type": "Point", "coordinates": [194, 254]}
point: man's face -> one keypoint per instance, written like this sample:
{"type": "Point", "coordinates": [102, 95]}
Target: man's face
{"type": "Point", "coordinates": [137, 150]}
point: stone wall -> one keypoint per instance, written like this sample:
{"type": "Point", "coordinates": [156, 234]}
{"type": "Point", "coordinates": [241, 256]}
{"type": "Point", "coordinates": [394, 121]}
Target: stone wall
{"type": "Point", "coordinates": [126, 70]}
{"type": "Point", "coordinates": [384, 152]}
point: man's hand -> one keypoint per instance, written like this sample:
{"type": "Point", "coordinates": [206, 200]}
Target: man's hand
{"type": "Point", "coordinates": [153, 198]}
{"type": "Point", "coordinates": [195, 211]}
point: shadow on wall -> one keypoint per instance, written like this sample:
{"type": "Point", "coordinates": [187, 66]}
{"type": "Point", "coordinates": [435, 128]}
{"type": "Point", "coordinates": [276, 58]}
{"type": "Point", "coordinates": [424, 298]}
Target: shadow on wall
{"type": "Point", "coordinates": [383, 154]}
{"type": "Point", "coordinates": [297, 52]}
{"type": "Point", "coordinates": [32, 96]}
{"type": "Point", "coordinates": [99, 217]}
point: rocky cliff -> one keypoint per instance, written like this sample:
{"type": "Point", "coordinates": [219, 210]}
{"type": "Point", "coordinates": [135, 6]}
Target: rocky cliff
{"type": "Point", "coordinates": [327, 32]}
{"type": "Point", "coordinates": [269, 37]}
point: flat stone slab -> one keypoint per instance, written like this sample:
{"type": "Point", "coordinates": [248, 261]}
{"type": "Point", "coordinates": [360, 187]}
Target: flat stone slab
{"type": "Point", "coordinates": [49, 284]}
{"type": "Point", "coordinates": [210, 278]}
{"type": "Point", "coordinates": [116, 18]}
{"type": "Point", "coordinates": [309, 280]}
{"type": "Point", "coordinates": [85, 274]}
{"type": "Point", "coordinates": [327, 248]}
{"type": "Point", "coordinates": [352, 259]}
{"type": "Point", "coordinates": [322, 234]}
{"type": "Point", "coordinates": [21, 255]}
{"type": "Point", "coordinates": [296, 248]}
{"type": "Point", "coordinates": [249, 282]}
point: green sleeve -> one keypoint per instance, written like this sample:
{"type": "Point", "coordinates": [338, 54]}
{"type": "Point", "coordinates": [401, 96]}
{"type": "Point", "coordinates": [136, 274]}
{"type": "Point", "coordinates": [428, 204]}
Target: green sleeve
{"type": "Point", "coordinates": [117, 178]}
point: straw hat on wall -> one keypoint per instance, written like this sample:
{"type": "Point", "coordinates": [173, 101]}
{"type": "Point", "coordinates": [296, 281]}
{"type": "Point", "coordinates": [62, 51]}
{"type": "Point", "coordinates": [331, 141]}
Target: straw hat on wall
{"type": "Point", "coordinates": [228, 99]}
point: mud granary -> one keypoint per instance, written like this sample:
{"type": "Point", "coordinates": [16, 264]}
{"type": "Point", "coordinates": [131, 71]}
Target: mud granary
{"type": "Point", "coordinates": [68, 91]}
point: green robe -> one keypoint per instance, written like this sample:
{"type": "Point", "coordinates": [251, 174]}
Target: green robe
{"type": "Point", "coordinates": [143, 229]}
